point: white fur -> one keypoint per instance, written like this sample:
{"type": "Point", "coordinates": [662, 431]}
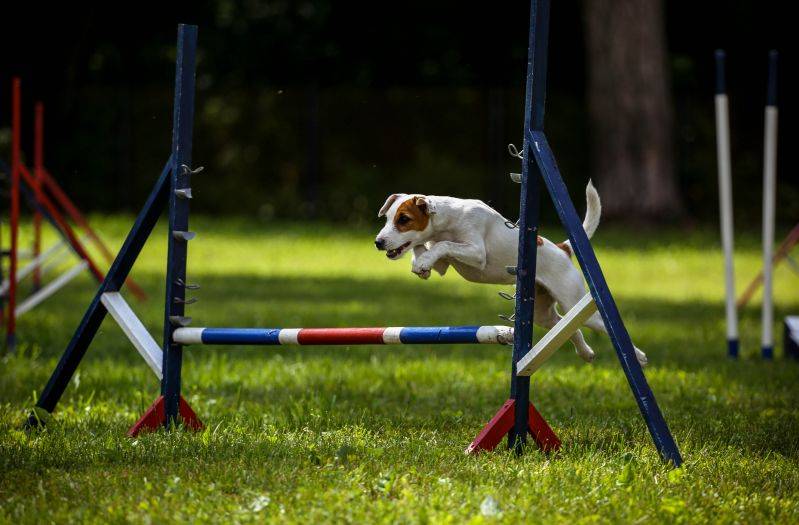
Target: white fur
{"type": "Point", "coordinates": [473, 238]}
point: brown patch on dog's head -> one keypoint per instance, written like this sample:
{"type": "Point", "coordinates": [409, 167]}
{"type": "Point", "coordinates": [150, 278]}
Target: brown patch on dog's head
{"type": "Point", "coordinates": [413, 214]}
{"type": "Point", "coordinates": [565, 247]}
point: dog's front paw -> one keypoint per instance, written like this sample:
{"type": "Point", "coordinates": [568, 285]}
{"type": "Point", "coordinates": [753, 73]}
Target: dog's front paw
{"type": "Point", "coordinates": [642, 359]}
{"type": "Point", "coordinates": [421, 266]}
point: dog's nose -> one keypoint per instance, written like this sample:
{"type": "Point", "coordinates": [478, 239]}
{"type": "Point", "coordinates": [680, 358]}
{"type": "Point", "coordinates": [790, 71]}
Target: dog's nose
{"type": "Point", "coordinates": [380, 244]}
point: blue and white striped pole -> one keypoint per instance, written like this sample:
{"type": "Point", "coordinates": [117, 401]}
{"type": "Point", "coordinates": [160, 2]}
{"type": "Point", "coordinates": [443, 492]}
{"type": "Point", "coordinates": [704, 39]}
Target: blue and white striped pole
{"type": "Point", "coordinates": [725, 203]}
{"type": "Point", "coordinates": [769, 198]}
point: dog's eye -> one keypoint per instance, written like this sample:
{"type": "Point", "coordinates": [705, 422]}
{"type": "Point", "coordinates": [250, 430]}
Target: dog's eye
{"type": "Point", "coordinates": [403, 219]}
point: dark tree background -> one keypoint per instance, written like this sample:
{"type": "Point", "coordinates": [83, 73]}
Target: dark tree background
{"type": "Point", "coordinates": [631, 110]}
{"type": "Point", "coordinates": [319, 109]}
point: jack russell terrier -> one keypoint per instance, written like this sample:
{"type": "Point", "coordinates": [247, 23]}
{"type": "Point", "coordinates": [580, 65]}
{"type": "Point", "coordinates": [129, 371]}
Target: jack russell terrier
{"type": "Point", "coordinates": [474, 239]}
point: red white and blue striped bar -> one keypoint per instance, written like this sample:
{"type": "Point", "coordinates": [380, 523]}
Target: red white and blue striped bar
{"type": "Point", "coordinates": [345, 336]}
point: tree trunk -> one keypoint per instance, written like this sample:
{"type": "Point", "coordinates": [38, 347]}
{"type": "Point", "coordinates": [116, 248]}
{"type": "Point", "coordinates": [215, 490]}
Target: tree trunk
{"type": "Point", "coordinates": [630, 106]}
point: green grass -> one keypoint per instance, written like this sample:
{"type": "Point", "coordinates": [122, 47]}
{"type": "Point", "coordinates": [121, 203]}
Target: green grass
{"type": "Point", "coordinates": [376, 434]}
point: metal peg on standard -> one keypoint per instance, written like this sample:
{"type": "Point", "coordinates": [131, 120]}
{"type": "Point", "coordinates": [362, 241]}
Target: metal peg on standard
{"type": "Point", "coordinates": [183, 193]}
{"type": "Point", "coordinates": [514, 152]}
{"type": "Point", "coordinates": [183, 236]}
{"type": "Point", "coordinates": [179, 320]}
{"type": "Point", "coordinates": [188, 171]}
{"type": "Point", "coordinates": [184, 284]}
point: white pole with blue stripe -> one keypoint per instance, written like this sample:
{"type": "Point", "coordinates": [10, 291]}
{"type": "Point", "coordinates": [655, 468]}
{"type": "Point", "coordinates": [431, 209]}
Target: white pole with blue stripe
{"type": "Point", "coordinates": [769, 198]}
{"type": "Point", "coordinates": [725, 203]}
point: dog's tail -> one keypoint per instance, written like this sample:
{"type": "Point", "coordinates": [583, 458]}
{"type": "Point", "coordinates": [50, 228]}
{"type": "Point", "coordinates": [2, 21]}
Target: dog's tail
{"type": "Point", "coordinates": [593, 210]}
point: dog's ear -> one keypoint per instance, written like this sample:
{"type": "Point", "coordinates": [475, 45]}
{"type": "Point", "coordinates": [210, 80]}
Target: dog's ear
{"type": "Point", "coordinates": [387, 204]}
{"type": "Point", "coordinates": [424, 204]}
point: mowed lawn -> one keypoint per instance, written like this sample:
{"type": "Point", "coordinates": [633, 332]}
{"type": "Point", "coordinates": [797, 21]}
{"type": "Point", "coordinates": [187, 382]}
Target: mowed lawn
{"type": "Point", "coordinates": [376, 434]}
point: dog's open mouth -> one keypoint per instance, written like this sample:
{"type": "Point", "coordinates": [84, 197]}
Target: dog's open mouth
{"type": "Point", "coordinates": [396, 252]}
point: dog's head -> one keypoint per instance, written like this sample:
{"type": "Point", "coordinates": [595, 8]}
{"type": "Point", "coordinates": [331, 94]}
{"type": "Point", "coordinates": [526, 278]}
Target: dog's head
{"type": "Point", "coordinates": [407, 224]}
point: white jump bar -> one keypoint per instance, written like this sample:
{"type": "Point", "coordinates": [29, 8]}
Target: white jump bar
{"type": "Point", "coordinates": [134, 330]}
{"type": "Point", "coordinates": [557, 336]}
{"type": "Point", "coordinates": [35, 263]}
{"type": "Point", "coordinates": [50, 288]}
{"type": "Point", "coordinates": [55, 260]}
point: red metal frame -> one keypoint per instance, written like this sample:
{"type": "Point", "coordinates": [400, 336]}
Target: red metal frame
{"type": "Point", "coordinates": [43, 186]}
{"type": "Point", "coordinates": [51, 209]}
{"type": "Point", "coordinates": [2, 299]}
{"type": "Point", "coordinates": [791, 240]}
{"type": "Point", "coordinates": [502, 423]}
{"type": "Point", "coordinates": [75, 214]}
{"type": "Point", "coordinates": [38, 165]}
{"type": "Point", "coordinates": [47, 182]}
{"type": "Point", "coordinates": [16, 124]}
{"type": "Point", "coordinates": [19, 171]}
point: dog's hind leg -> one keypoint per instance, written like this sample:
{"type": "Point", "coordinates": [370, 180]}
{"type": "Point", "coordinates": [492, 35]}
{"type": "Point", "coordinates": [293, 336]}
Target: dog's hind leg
{"type": "Point", "coordinates": [581, 347]}
{"type": "Point", "coordinates": [596, 324]}
{"type": "Point", "coordinates": [547, 316]}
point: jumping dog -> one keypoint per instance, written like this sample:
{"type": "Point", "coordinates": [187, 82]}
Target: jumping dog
{"type": "Point", "coordinates": [474, 239]}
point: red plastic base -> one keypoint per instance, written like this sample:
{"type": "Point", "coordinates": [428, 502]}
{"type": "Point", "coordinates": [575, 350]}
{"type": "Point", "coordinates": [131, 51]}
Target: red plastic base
{"type": "Point", "coordinates": [154, 418]}
{"type": "Point", "coordinates": [502, 423]}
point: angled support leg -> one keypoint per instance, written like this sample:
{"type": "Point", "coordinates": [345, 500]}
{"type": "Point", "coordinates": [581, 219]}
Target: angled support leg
{"type": "Point", "coordinates": [96, 312]}
{"type": "Point", "coordinates": [36, 206]}
{"type": "Point", "coordinates": [658, 428]}
{"type": "Point", "coordinates": [68, 233]}
{"type": "Point", "coordinates": [59, 195]}
{"type": "Point", "coordinates": [783, 252]}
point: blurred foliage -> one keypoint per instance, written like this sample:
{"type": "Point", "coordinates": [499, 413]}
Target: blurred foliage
{"type": "Point", "coordinates": [320, 109]}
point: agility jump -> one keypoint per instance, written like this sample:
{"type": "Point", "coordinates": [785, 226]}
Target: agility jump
{"type": "Point", "coordinates": [50, 202]}
{"type": "Point", "coordinates": [517, 418]}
